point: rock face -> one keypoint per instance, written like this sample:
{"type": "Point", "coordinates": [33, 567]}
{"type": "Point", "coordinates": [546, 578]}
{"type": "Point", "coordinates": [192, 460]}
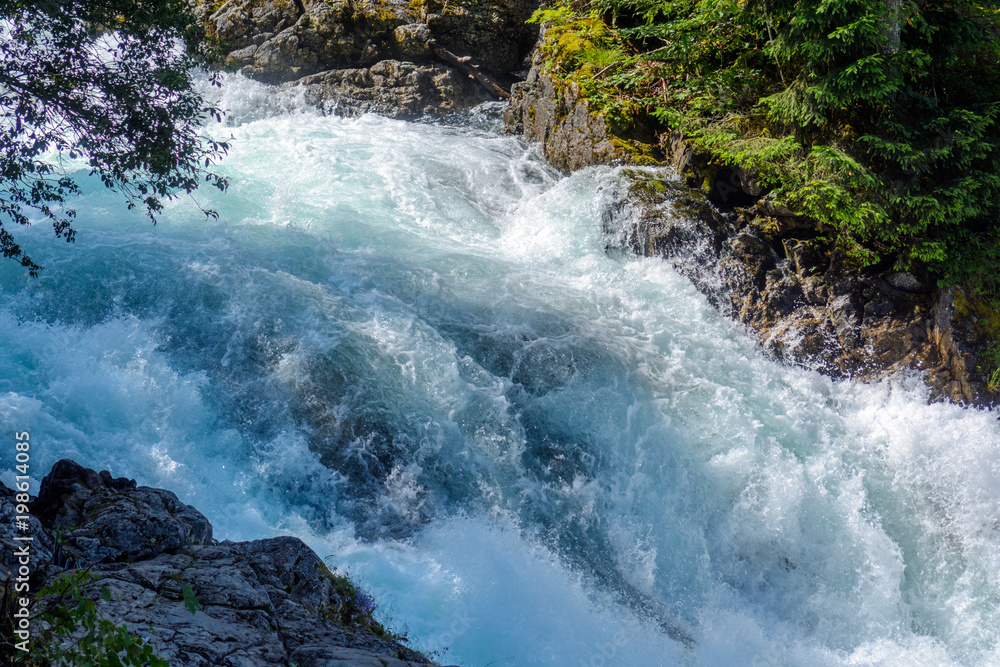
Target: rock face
{"type": "Point", "coordinates": [394, 89]}
{"type": "Point", "coordinates": [375, 55]}
{"type": "Point", "coordinates": [765, 267]}
{"type": "Point", "coordinates": [267, 602]}
{"type": "Point", "coordinates": [572, 135]}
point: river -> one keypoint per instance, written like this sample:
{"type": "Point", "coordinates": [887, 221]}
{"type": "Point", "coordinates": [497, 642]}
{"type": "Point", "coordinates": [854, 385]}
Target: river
{"type": "Point", "coordinates": [408, 344]}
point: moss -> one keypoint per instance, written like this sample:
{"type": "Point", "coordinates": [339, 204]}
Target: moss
{"type": "Point", "coordinates": [212, 6]}
{"type": "Point", "coordinates": [637, 152]}
{"type": "Point", "coordinates": [766, 228]}
{"type": "Point", "coordinates": [708, 175]}
{"type": "Point", "coordinates": [647, 188]}
{"type": "Point", "coordinates": [983, 314]}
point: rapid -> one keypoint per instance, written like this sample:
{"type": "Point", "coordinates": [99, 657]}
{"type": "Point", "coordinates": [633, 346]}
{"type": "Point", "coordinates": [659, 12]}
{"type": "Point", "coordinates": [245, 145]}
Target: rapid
{"type": "Point", "coordinates": [408, 344]}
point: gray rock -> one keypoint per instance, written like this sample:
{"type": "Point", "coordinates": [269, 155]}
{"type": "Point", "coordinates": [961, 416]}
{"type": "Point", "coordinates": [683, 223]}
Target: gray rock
{"type": "Point", "coordinates": [413, 41]}
{"type": "Point", "coordinates": [283, 40]}
{"type": "Point", "coordinates": [296, 38]}
{"type": "Point", "coordinates": [266, 603]}
{"type": "Point", "coordinates": [41, 546]}
{"type": "Point", "coordinates": [905, 281]}
{"type": "Point", "coordinates": [393, 88]}
{"type": "Point", "coordinates": [571, 134]}
{"type": "Point", "coordinates": [495, 33]}
{"type": "Point", "coordinates": [101, 519]}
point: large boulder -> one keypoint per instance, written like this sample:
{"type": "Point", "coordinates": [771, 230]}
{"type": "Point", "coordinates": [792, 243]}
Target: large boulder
{"type": "Point", "coordinates": [266, 603]}
{"type": "Point", "coordinates": [101, 519]}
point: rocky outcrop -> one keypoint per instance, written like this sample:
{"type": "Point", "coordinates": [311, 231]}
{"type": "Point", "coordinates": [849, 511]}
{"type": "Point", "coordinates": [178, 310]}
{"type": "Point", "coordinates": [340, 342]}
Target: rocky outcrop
{"type": "Point", "coordinates": [266, 602]}
{"type": "Point", "coordinates": [494, 33]}
{"type": "Point", "coordinates": [377, 55]}
{"type": "Point", "coordinates": [571, 133]}
{"type": "Point", "coordinates": [394, 89]}
{"type": "Point", "coordinates": [771, 270]}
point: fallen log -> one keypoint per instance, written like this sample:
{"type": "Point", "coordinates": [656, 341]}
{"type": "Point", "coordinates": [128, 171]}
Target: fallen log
{"type": "Point", "coordinates": [465, 65]}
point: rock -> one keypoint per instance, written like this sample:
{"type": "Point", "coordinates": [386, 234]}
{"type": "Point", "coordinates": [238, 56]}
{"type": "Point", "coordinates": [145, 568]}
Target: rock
{"type": "Point", "coordinates": [806, 256]}
{"type": "Point", "coordinates": [101, 519]}
{"type": "Point", "coordinates": [816, 308]}
{"type": "Point", "coordinates": [413, 41]}
{"type": "Point", "coordinates": [811, 309]}
{"type": "Point", "coordinates": [904, 281]}
{"type": "Point", "coordinates": [394, 89]}
{"type": "Point", "coordinates": [747, 252]}
{"type": "Point", "coordinates": [656, 217]}
{"type": "Point", "coordinates": [266, 603]}
{"type": "Point", "coordinates": [43, 547]}
{"type": "Point", "coordinates": [572, 135]}
{"type": "Point", "coordinates": [378, 56]}
{"type": "Point", "coordinates": [284, 40]}
{"type": "Point", "coordinates": [495, 33]}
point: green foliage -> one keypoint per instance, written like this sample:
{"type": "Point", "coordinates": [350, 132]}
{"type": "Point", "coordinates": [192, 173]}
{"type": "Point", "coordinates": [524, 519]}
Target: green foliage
{"type": "Point", "coordinates": [576, 41]}
{"type": "Point", "coordinates": [190, 601]}
{"type": "Point", "coordinates": [71, 632]}
{"type": "Point", "coordinates": [879, 119]}
{"type": "Point", "coordinates": [104, 87]}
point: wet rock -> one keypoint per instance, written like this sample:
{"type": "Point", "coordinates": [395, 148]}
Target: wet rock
{"type": "Point", "coordinates": [394, 89]}
{"type": "Point", "coordinates": [880, 308]}
{"type": "Point", "coordinates": [811, 308]}
{"type": "Point", "coordinates": [753, 256]}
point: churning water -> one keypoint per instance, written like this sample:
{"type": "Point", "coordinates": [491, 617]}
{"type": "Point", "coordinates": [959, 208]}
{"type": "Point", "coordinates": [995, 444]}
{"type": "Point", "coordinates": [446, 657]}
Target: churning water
{"type": "Point", "coordinates": [407, 344]}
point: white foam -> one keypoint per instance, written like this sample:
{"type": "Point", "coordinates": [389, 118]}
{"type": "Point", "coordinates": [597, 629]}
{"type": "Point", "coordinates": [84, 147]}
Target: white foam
{"type": "Point", "coordinates": [579, 448]}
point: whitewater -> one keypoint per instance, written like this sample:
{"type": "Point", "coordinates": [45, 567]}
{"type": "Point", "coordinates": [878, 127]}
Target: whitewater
{"type": "Point", "coordinates": [409, 345]}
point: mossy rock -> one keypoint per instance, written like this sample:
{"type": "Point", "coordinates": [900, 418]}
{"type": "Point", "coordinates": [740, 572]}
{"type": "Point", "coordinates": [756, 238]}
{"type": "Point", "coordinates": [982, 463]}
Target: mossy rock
{"type": "Point", "coordinates": [638, 153]}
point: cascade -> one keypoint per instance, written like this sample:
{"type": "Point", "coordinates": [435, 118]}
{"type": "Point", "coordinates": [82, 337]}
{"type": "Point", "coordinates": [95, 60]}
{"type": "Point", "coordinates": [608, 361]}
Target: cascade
{"type": "Point", "coordinates": [406, 344]}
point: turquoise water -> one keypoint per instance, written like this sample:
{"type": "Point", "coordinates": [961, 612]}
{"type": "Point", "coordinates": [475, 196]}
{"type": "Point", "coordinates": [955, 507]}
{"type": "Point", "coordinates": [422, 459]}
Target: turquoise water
{"type": "Point", "coordinates": [407, 345]}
